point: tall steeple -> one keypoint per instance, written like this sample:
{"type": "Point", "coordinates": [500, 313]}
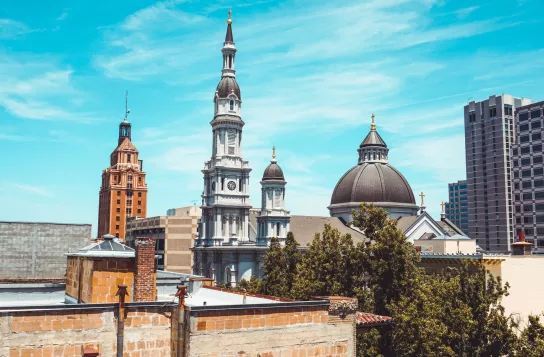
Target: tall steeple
{"type": "Point", "coordinates": [225, 198]}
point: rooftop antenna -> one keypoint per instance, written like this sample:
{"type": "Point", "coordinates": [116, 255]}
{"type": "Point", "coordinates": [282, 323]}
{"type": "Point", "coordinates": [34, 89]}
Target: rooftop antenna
{"type": "Point", "coordinates": [127, 111]}
{"type": "Point", "coordinates": [194, 202]}
{"type": "Point", "coordinates": [468, 100]}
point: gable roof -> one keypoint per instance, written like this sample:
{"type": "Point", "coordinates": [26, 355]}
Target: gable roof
{"type": "Point", "coordinates": [126, 145]}
{"type": "Point", "coordinates": [450, 228]}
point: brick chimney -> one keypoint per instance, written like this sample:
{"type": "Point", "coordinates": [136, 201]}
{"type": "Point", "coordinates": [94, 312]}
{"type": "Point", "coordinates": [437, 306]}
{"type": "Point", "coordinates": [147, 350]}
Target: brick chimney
{"type": "Point", "coordinates": [145, 272]}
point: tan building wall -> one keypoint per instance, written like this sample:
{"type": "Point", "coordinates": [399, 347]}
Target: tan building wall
{"type": "Point", "coordinates": [175, 237]}
{"type": "Point", "coordinates": [99, 278]}
{"type": "Point", "coordinates": [447, 246]}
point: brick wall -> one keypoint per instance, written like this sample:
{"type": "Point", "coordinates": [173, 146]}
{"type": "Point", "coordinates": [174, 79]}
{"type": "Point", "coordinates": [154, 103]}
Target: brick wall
{"type": "Point", "coordinates": [305, 331]}
{"type": "Point", "coordinates": [36, 250]}
{"type": "Point", "coordinates": [65, 333]}
{"type": "Point", "coordinates": [144, 271]}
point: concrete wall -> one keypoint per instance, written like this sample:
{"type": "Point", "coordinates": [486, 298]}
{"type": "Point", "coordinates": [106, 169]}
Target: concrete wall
{"type": "Point", "coordinates": [36, 250]}
{"type": "Point", "coordinates": [57, 332]}
{"type": "Point", "coordinates": [447, 246]}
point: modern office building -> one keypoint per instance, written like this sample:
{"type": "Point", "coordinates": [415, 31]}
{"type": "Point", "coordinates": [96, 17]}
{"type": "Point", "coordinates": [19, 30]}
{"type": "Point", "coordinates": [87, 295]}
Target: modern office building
{"type": "Point", "coordinates": [174, 233]}
{"type": "Point", "coordinates": [489, 136]}
{"type": "Point", "coordinates": [529, 175]}
{"type": "Point", "coordinates": [457, 206]}
{"type": "Point", "coordinates": [123, 192]}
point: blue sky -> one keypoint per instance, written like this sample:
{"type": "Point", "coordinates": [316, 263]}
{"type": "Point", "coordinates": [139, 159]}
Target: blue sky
{"type": "Point", "coordinates": [311, 73]}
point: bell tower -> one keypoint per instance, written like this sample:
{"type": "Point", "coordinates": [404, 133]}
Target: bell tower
{"type": "Point", "coordinates": [225, 197]}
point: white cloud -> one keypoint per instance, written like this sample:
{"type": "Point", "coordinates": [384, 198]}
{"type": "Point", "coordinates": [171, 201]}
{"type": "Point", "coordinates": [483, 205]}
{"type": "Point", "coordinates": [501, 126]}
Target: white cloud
{"type": "Point", "coordinates": [10, 29]}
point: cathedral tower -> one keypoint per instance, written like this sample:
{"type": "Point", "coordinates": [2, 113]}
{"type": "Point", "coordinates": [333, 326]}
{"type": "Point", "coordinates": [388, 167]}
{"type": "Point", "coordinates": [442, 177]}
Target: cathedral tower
{"type": "Point", "coordinates": [225, 198]}
{"type": "Point", "coordinates": [123, 192]}
{"type": "Point", "coordinates": [274, 219]}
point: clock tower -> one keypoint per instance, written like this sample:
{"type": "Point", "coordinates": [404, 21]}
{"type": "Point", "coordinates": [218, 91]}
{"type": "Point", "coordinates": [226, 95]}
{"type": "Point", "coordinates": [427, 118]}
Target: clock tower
{"type": "Point", "coordinates": [225, 198]}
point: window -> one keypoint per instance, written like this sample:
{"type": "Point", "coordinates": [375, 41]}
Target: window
{"type": "Point", "coordinates": [507, 109]}
{"type": "Point", "coordinates": [536, 136]}
{"type": "Point", "coordinates": [231, 105]}
{"type": "Point", "coordinates": [118, 210]}
{"type": "Point", "coordinates": [471, 117]}
{"type": "Point", "coordinates": [139, 203]}
{"type": "Point", "coordinates": [129, 186]}
{"type": "Point", "coordinates": [492, 112]}
{"type": "Point", "coordinates": [527, 196]}
{"type": "Point", "coordinates": [128, 157]}
{"type": "Point", "coordinates": [117, 218]}
{"type": "Point", "coordinates": [524, 127]}
{"type": "Point", "coordinates": [118, 202]}
{"type": "Point", "coordinates": [524, 139]}
{"type": "Point", "coordinates": [538, 183]}
{"type": "Point", "coordinates": [139, 211]}
{"type": "Point", "coordinates": [539, 219]}
{"type": "Point", "coordinates": [537, 148]}
{"type": "Point", "coordinates": [129, 178]}
{"type": "Point", "coordinates": [231, 133]}
{"type": "Point", "coordinates": [526, 173]}
{"type": "Point", "coordinates": [277, 229]}
{"type": "Point", "coordinates": [528, 208]}
{"type": "Point", "coordinates": [117, 227]}
{"type": "Point", "coordinates": [538, 171]}
{"type": "Point", "coordinates": [535, 113]}
{"type": "Point", "coordinates": [535, 125]}
{"type": "Point", "coordinates": [523, 116]}
{"type": "Point", "coordinates": [129, 210]}
{"type": "Point", "coordinates": [139, 179]}
{"type": "Point", "coordinates": [539, 207]}
{"type": "Point", "coordinates": [526, 184]}
{"type": "Point", "coordinates": [116, 235]}
{"type": "Point", "coordinates": [540, 243]}
{"type": "Point", "coordinates": [118, 193]}
{"type": "Point", "coordinates": [540, 231]}
{"type": "Point", "coordinates": [518, 209]}
{"type": "Point", "coordinates": [129, 202]}
{"type": "Point", "coordinates": [528, 219]}
{"type": "Point", "coordinates": [139, 194]}
{"type": "Point", "coordinates": [526, 161]}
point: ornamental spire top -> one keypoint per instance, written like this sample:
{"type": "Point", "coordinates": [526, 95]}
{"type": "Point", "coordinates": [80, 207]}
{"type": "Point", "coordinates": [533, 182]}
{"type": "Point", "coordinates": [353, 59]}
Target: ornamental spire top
{"type": "Point", "coordinates": [229, 21]}
{"type": "Point", "coordinates": [273, 153]}
{"type": "Point", "coordinates": [228, 37]}
{"type": "Point", "coordinates": [373, 125]}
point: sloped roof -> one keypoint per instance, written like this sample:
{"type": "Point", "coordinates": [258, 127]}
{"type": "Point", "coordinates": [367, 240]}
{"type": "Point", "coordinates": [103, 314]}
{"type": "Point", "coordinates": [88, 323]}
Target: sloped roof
{"type": "Point", "coordinates": [374, 139]}
{"type": "Point", "coordinates": [404, 223]}
{"type": "Point", "coordinates": [367, 320]}
{"type": "Point", "coordinates": [108, 247]}
{"type": "Point", "coordinates": [450, 228]}
{"type": "Point", "coordinates": [126, 145]}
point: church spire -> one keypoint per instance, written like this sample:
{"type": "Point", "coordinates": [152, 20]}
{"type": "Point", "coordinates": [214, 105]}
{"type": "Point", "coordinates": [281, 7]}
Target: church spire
{"type": "Point", "coordinates": [125, 126]}
{"type": "Point", "coordinates": [229, 50]}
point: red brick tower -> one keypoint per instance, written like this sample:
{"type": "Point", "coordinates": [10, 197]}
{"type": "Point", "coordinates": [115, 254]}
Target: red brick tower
{"type": "Point", "coordinates": [123, 192]}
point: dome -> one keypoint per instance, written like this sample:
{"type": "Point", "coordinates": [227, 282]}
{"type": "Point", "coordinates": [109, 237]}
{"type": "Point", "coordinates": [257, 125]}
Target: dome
{"type": "Point", "coordinates": [226, 86]}
{"type": "Point", "coordinates": [373, 182]}
{"type": "Point", "coordinates": [273, 172]}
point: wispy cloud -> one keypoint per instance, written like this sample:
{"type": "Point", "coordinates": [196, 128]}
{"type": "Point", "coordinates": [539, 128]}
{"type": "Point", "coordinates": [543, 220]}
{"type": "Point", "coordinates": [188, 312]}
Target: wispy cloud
{"type": "Point", "coordinates": [64, 14]}
{"type": "Point", "coordinates": [11, 29]}
{"type": "Point", "coordinates": [37, 190]}
{"type": "Point", "coordinates": [11, 137]}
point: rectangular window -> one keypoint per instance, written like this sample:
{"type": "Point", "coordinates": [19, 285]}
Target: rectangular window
{"type": "Point", "coordinates": [537, 159]}
{"type": "Point", "coordinates": [231, 133]}
{"type": "Point", "coordinates": [535, 124]}
{"type": "Point", "coordinates": [528, 220]}
{"type": "Point", "coordinates": [526, 150]}
{"type": "Point", "coordinates": [129, 186]}
{"type": "Point", "coordinates": [118, 202]}
{"type": "Point", "coordinates": [507, 109]}
{"type": "Point", "coordinates": [523, 116]}
{"type": "Point", "coordinates": [538, 183]}
{"type": "Point", "coordinates": [524, 139]}
{"type": "Point", "coordinates": [492, 112]}
{"type": "Point", "coordinates": [524, 127]}
{"type": "Point", "coordinates": [117, 218]}
{"type": "Point", "coordinates": [118, 193]}
{"type": "Point", "coordinates": [526, 173]}
{"type": "Point", "coordinates": [536, 136]}
{"type": "Point", "coordinates": [538, 171]}
{"type": "Point", "coordinates": [539, 195]}
{"type": "Point", "coordinates": [139, 211]}
{"type": "Point", "coordinates": [539, 219]}
{"type": "Point", "coordinates": [539, 207]}
{"type": "Point", "coordinates": [118, 210]}
{"type": "Point", "coordinates": [527, 196]}
{"type": "Point", "coordinates": [128, 157]}
{"type": "Point", "coordinates": [129, 178]}
{"type": "Point", "coordinates": [528, 208]}
{"type": "Point", "coordinates": [139, 203]}
{"type": "Point", "coordinates": [139, 194]}
{"type": "Point", "coordinates": [129, 211]}
{"type": "Point", "coordinates": [471, 117]}
{"type": "Point", "coordinates": [526, 184]}
{"type": "Point", "coordinates": [526, 161]}
{"type": "Point", "coordinates": [117, 227]}
{"type": "Point", "coordinates": [535, 113]}
{"type": "Point", "coordinates": [540, 231]}
{"type": "Point", "coordinates": [129, 202]}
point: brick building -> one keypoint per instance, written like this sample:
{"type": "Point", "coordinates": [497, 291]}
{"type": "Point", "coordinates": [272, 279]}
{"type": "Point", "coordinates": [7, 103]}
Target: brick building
{"type": "Point", "coordinates": [30, 250]}
{"type": "Point", "coordinates": [123, 192]}
{"type": "Point", "coordinates": [175, 234]}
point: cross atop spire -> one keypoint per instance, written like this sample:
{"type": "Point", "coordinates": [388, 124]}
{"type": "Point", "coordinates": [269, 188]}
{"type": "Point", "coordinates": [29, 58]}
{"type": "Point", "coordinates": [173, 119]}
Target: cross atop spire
{"type": "Point", "coordinates": [422, 195]}
{"type": "Point", "coordinates": [443, 204]}
{"type": "Point", "coordinates": [273, 153]}
{"type": "Point", "coordinates": [228, 36]}
{"type": "Point", "coordinates": [229, 21]}
{"type": "Point", "coordinates": [372, 126]}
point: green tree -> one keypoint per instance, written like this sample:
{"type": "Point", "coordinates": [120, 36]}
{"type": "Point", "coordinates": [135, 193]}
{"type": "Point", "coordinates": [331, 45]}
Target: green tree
{"type": "Point", "coordinates": [274, 276]}
{"type": "Point", "coordinates": [253, 285]}
{"type": "Point", "coordinates": [292, 258]}
{"type": "Point", "coordinates": [531, 340]}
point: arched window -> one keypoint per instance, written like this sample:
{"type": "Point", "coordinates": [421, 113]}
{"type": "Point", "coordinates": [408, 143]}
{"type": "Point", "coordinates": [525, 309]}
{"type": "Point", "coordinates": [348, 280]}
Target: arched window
{"type": "Point", "coordinates": [277, 229]}
{"type": "Point", "coordinates": [231, 103]}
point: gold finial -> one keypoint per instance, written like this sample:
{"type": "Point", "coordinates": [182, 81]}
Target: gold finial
{"type": "Point", "coordinates": [422, 195]}
{"type": "Point", "coordinates": [273, 153]}
{"type": "Point", "coordinates": [372, 126]}
{"type": "Point", "coordinates": [229, 21]}
{"type": "Point", "coordinates": [443, 204]}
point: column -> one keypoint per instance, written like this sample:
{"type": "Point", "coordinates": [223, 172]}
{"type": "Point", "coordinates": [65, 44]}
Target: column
{"type": "Point", "coordinates": [219, 231]}
{"type": "Point", "coordinates": [246, 227]}
{"type": "Point", "coordinates": [204, 222]}
{"type": "Point", "coordinates": [225, 141]}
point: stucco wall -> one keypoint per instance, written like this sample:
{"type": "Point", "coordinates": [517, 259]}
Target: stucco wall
{"type": "Point", "coordinates": [36, 250]}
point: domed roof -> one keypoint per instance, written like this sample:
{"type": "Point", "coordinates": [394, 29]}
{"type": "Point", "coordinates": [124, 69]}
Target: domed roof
{"type": "Point", "coordinates": [273, 172]}
{"type": "Point", "coordinates": [226, 86]}
{"type": "Point", "coordinates": [373, 182]}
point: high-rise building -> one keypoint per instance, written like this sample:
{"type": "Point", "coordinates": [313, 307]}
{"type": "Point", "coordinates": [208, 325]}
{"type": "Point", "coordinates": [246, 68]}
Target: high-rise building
{"type": "Point", "coordinates": [489, 136]}
{"type": "Point", "coordinates": [123, 192]}
{"type": "Point", "coordinates": [529, 174]}
{"type": "Point", "coordinates": [457, 207]}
